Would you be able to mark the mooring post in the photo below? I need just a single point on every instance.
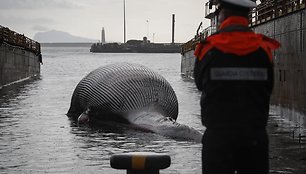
(293, 134)
(140, 162)
(300, 138)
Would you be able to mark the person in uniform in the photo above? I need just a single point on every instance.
(234, 71)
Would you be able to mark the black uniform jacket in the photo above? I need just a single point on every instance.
(234, 71)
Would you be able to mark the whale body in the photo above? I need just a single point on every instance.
(130, 94)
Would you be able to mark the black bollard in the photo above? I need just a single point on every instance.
(140, 162)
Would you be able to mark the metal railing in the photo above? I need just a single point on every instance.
(271, 9)
(18, 40)
(265, 11)
(191, 44)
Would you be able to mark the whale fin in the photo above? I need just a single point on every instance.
(167, 126)
(84, 117)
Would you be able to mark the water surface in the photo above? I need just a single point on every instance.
(37, 137)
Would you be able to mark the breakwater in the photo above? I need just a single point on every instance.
(136, 46)
(20, 57)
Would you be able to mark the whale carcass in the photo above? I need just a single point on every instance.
(132, 94)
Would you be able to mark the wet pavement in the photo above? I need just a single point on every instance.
(287, 150)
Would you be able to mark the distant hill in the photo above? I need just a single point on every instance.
(54, 36)
(56, 44)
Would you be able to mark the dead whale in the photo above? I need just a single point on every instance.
(130, 94)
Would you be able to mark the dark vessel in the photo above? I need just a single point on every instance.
(285, 21)
(136, 46)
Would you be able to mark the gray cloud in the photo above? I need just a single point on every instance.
(12, 19)
(38, 4)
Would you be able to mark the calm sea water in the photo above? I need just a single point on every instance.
(37, 137)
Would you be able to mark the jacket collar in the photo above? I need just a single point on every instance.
(234, 20)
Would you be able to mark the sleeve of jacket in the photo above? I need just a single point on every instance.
(198, 73)
(203, 55)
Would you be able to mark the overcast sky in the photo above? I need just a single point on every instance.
(86, 18)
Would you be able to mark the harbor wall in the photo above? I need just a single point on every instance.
(289, 62)
(17, 64)
(187, 64)
(20, 57)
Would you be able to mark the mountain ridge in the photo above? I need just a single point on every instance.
(55, 36)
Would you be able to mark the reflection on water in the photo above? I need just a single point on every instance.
(37, 137)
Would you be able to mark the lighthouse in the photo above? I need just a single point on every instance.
(103, 36)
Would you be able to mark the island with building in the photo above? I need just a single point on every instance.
(136, 46)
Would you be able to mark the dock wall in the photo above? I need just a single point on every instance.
(289, 60)
(20, 57)
(289, 94)
(17, 64)
(187, 64)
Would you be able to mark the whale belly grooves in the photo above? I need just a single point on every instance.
(120, 88)
(125, 93)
